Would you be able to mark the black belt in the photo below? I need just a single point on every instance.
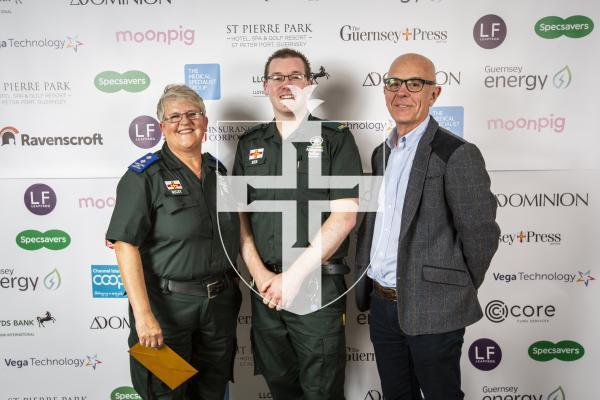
(210, 287)
(336, 267)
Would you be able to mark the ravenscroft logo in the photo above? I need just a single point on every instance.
(7, 135)
(564, 199)
(497, 311)
(171, 36)
(353, 33)
(124, 393)
(514, 76)
(540, 124)
(106, 282)
(144, 132)
(114, 322)
(450, 117)
(565, 350)
(205, 79)
(136, 3)
(53, 239)
(485, 354)
(585, 277)
(531, 237)
(40, 199)
(576, 26)
(130, 81)
(489, 31)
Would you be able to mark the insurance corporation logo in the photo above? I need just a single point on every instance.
(124, 393)
(70, 42)
(514, 392)
(498, 311)
(129, 81)
(525, 237)
(272, 35)
(174, 36)
(575, 27)
(204, 79)
(528, 124)
(136, 3)
(355, 33)
(543, 200)
(485, 354)
(226, 131)
(34, 92)
(53, 239)
(144, 132)
(40, 199)
(489, 31)
(106, 282)
(565, 350)
(109, 322)
(516, 77)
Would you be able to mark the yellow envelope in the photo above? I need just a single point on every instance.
(167, 365)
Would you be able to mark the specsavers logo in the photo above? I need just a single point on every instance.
(565, 350)
(124, 393)
(130, 81)
(554, 27)
(34, 240)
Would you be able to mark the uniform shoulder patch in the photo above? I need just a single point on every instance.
(336, 126)
(214, 162)
(255, 128)
(144, 162)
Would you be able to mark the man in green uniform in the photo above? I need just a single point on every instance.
(174, 268)
(300, 356)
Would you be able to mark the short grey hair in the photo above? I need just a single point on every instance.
(178, 92)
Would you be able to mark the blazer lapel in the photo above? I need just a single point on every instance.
(414, 190)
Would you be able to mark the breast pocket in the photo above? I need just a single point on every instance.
(185, 216)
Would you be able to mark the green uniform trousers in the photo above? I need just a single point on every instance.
(203, 332)
(302, 357)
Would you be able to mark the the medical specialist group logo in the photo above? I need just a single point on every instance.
(270, 35)
(489, 31)
(106, 282)
(11, 280)
(575, 27)
(356, 355)
(124, 393)
(71, 42)
(509, 392)
(176, 36)
(53, 239)
(40, 199)
(89, 361)
(109, 322)
(18, 92)
(129, 81)
(450, 117)
(136, 3)
(531, 237)
(355, 33)
(11, 136)
(542, 200)
(498, 311)
(144, 132)
(485, 354)
(531, 125)
(204, 79)
(515, 77)
(565, 350)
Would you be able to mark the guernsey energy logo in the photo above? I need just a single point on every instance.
(53, 239)
(565, 350)
(130, 81)
(575, 27)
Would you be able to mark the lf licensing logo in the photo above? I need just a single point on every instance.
(485, 354)
(40, 199)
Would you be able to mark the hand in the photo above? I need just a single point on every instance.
(281, 290)
(149, 331)
(271, 291)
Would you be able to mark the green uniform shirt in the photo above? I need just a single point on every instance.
(340, 156)
(171, 215)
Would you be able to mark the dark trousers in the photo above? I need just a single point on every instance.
(409, 364)
(302, 357)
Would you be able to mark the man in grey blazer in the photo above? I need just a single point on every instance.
(427, 249)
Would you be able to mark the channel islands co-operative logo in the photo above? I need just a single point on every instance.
(565, 350)
(130, 81)
(53, 239)
(554, 27)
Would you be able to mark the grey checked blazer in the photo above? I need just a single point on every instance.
(447, 239)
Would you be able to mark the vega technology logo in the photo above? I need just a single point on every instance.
(53, 239)
(575, 27)
(144, 132)
(70, 42)
(106, 282)
(130, 81)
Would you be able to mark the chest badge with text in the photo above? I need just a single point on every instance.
(174, 187)
(255, 154)
(315, 149)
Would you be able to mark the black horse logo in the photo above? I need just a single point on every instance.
(46, 318)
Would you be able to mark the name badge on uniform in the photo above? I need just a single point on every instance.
(175, 187)
(316, 147)
(255, 154)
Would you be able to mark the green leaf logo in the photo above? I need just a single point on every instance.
(574, 27)
(565, 350)
(52, 280)
(124, 393)
(558, 394)
(34, 240)
(130, 81)
(562, 79)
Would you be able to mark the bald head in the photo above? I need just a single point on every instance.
(412, 61)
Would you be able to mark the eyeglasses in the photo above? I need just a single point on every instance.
(413, 85)
(191, 115)
(281, 78)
